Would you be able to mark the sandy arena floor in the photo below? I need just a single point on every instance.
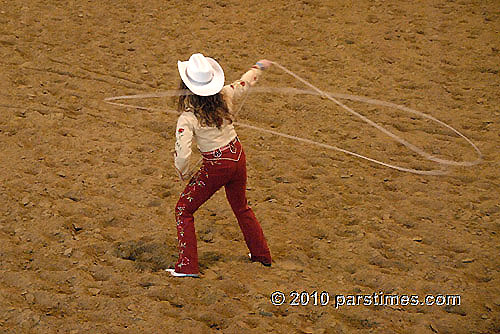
(87, 190)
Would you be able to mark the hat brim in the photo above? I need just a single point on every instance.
(206, 89)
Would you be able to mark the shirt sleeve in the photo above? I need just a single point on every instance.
(184, 137)
(235, 90)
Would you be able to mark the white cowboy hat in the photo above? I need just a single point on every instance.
(202, 75)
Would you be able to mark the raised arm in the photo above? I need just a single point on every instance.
(235, 90)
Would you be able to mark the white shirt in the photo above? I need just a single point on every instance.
(209, 138)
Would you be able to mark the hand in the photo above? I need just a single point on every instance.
(265, 63)
(183, 177)
(187, 176)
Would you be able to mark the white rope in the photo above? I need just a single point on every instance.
(173, 92)
(390, 134)
(330, 96)
(331, 147)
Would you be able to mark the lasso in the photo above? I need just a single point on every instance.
(332, 97)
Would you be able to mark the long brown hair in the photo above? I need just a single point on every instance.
(209, 110)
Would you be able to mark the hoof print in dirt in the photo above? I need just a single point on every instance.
(208, 259)
(152, 255)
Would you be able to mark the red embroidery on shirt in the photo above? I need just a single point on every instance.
(181, 130)
(243, 83)
(232, 86)
(255, 78)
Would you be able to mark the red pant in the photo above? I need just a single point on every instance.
(225, 167)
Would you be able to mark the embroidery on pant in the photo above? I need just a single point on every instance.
(180, 210)
(179, 222)
(180, 228)
(215, 161)
(184, 261)
(189, 198)
(181, 247)
(195, 182)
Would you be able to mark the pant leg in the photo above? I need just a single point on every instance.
(249, 225)
(199, 189)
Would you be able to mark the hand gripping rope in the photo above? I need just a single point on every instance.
(334, 98)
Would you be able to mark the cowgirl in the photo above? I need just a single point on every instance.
(206, 114)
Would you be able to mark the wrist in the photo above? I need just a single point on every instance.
(260, 66)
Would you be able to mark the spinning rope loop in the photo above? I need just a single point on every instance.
(334, 98)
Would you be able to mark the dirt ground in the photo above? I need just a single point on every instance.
(87, 190)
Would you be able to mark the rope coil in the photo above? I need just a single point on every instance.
(331, 96)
